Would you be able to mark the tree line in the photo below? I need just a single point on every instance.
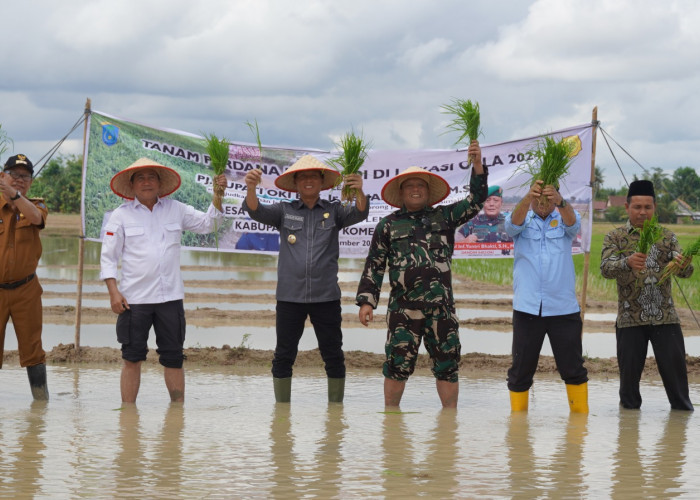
(683, 184)
(59, 183)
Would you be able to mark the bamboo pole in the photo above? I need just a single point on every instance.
(587, 256)
(81, 244)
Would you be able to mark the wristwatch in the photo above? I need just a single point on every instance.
(562, 204)
(17, 196)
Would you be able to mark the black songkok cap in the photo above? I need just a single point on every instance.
(641, 188)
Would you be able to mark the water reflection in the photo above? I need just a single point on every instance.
(307, 469)
(22, 466)
(281, 451)
(533, 473)
(652, 470)
(567, 468)
(329, 480)
(129, 460)
(521, 457)
(230, 440)
(168, 453)
(397, 465)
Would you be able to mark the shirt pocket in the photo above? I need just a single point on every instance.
(401, 237)
(326, 223)
(532, 233)
(135, 233)
(556, 240)
(439, 236)
(292, 225)
(173, 232)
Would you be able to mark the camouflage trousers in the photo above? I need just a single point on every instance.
(438, 327)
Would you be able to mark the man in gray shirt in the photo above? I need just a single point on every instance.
(307, 268)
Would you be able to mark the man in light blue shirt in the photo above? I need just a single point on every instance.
(544, 298)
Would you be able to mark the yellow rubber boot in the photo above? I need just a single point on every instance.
(519, 400)
(578, 397)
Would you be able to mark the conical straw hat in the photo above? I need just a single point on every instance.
(438, 188)
(307, 162)
(121, 182)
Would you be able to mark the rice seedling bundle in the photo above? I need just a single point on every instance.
(550, 163)
(650, 233)
(256, 130)
(352, 154)
(218, 151)
(673, 267)
(4, 141)
(466, 121)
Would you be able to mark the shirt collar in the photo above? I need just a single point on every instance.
(138, 203)
(416, 213)
(298, 203)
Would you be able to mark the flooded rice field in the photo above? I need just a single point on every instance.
(230, 439)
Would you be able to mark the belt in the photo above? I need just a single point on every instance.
(15, 284)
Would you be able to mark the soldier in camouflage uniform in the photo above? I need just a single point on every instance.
(417, 242)
(488, 226)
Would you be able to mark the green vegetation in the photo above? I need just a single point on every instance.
(684, 184)
(500, 271)
(4, 141)
(466, 121)
(550, 163)
(59, 184)
(217, 149)
(352, 154)
(650, 233)
(674, 267)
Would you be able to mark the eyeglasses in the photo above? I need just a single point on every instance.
(18, 176)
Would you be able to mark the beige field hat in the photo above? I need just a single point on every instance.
(307, 162)
(438, 188)
(121, 182)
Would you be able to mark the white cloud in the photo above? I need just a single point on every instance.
(309, 70)
(420, 56)
(599, 40)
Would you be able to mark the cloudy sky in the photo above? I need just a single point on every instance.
(310, 70)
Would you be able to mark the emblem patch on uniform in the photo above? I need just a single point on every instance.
(554, 223)
(291, 239)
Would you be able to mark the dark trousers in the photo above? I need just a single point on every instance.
(528, 335)
(669, 351)
(325, 318)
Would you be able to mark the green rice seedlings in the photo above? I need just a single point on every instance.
(218, 151)
(550, 163)
(650, 233)
(4, 141)
(254, 128)
(353, 152)
(466, 121)
(674, 267)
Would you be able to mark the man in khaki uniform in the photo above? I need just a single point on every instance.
(21, 219)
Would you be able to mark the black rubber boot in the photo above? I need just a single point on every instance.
(37, 382)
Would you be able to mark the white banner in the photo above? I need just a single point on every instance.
(115, 143)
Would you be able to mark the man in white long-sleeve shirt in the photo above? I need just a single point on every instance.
(144, 234)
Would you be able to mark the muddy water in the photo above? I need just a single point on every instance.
(230, 440)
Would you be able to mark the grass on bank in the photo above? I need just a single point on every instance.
(500, 271)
